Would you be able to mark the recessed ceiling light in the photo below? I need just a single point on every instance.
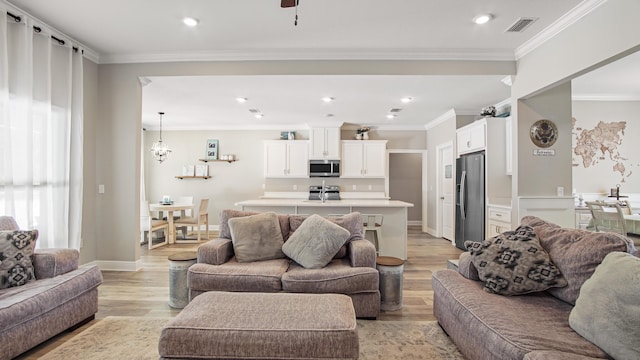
(259, 116)
(327, 99)
(391, 116)
(190, 21)
(482, 19)
(241, 100)
(407, 99)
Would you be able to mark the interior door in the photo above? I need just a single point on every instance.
(447, 195)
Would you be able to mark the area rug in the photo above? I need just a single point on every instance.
(119, 337)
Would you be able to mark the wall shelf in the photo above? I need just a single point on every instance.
(227, 161)
(192, 177)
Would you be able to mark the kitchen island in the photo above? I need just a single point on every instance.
(394, 228)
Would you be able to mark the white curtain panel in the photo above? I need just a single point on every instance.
(41, 133)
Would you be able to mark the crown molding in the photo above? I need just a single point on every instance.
(503, 103)
(314, 54)
(605, 97)
(557, 26)
(440, 119)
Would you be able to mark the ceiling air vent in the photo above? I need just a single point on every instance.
(254, 111)
(521, 24)
(395, 110)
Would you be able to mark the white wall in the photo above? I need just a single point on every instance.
(600, 177)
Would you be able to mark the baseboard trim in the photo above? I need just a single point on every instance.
(114, 265)
(432, 232)
(414, 222)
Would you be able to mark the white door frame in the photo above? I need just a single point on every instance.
(424, 178)
(439, 149)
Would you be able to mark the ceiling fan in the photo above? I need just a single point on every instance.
(291, 3)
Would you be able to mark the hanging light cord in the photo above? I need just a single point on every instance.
(295, 23)
(161, 113)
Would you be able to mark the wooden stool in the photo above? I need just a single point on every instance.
(179, 264)
(390, 269)
(373, 223)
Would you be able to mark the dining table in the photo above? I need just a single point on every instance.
(166, 210)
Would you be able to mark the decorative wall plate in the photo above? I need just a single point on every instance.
(544, 133)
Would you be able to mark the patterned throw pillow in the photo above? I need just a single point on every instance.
(16, 257)
(514, 263)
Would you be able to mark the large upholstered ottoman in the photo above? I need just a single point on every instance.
(227, 325)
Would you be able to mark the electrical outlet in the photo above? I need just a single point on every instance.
(295, 187)
(101, 189)
(264, 186)
(560, 191)
(353, 187)
(370, 187)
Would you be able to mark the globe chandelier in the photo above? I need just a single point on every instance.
(159, 149)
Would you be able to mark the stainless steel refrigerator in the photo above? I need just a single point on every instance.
(470, 198)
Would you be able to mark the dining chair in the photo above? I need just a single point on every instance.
(183, 200)
(202, 218)
(148, 225)
(607, 217)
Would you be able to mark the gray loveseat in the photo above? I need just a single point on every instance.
(61, 297)
(531, 326)
(351, 272)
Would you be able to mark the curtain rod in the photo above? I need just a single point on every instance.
(38, 30)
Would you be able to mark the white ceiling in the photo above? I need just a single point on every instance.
(120, 31)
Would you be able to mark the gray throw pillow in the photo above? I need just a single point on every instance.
(16, 257)
(315, 242)
(256, 237)
(514, 263)
(606, 311)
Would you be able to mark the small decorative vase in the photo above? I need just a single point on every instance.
(358, 136)
(365, 136)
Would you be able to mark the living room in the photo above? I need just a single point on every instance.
(541, 89)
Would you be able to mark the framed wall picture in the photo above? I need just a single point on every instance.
(212, 149)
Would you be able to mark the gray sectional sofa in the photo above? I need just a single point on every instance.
(484, 325)
(61, 297)
(351, 272)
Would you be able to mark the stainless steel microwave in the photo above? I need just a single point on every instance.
(324, 168)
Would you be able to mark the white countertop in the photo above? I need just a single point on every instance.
(328, 203)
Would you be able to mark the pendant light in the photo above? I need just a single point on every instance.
(159, 149)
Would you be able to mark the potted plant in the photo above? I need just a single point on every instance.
(363, 133)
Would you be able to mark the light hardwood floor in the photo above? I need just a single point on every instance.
(145, 293)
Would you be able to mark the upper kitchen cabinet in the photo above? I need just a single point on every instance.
(286, 158)
(363, 158)
(471, 138)
(324, 143)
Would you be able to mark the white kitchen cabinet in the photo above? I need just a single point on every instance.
(498, 220)
(471, 138)
(324, 143)
(363, 158)
(286, 158)
(508, 145)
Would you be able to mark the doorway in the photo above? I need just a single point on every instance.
(444, 193)
(406, 181)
